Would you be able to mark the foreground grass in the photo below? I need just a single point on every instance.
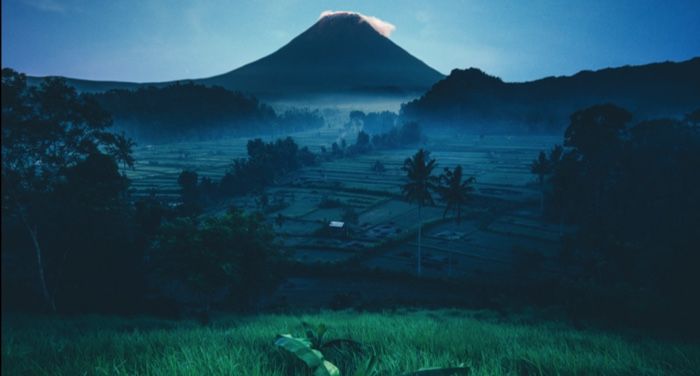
(403, 341)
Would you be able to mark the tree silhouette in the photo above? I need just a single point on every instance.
(454, 191)
(419, 170)
(189, 192)
(122, 149)
(555, 155)
(693, 118)
(596, 129)
(46, 131)
(362, 139)
(543, 166)
(227, 257)
(596, 133)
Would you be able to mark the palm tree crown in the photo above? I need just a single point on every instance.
(543, 166)
(540, 166)
(455, 192)
(122, 150)
(419, 169)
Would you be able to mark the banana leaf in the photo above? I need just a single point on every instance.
(300, 347)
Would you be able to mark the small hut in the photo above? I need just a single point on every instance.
(338, 228)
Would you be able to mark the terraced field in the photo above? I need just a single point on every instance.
(158, 165)
(501, 235)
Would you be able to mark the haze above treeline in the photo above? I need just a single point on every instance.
(346, 58)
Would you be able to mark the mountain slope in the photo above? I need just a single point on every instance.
(339, 53)
(468, 98)
(94, 86)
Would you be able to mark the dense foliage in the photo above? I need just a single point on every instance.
(634, 190)
(373, 122)
(74, 241)
(409, 133)
(224, 259)
(65, 217)
(265, 163)
(188, 110)
(454, 190)
(395, 136)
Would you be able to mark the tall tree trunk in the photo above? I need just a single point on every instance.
(420, 227)
(33, 233)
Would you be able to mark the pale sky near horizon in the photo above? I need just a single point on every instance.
(160, 40)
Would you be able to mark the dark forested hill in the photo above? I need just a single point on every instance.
(190, 110)
(471, 99)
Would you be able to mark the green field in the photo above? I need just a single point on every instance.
(402, 341)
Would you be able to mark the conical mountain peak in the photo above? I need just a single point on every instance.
(342, 52)
(345, 19)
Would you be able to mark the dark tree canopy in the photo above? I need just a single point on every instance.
(62, 188)
(421, 182)
(633, 191)
(596, 128)
(454, 190)
(265, 163)
(187, 110)
(228, 258)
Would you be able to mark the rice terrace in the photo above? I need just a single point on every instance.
(340, 206)
(500, 163)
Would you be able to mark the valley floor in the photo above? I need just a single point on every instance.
(402, 340)
(501, 228)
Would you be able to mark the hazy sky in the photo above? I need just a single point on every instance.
(151, 40)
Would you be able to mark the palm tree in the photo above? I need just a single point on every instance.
(419, 169)
(455, 192)
(122, 150)
(541, 167)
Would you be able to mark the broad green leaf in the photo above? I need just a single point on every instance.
(301, 349)
(327, 369)
(303, 340)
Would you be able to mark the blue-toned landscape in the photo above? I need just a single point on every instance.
(177, 201)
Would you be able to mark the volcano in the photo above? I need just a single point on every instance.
(340, 53)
